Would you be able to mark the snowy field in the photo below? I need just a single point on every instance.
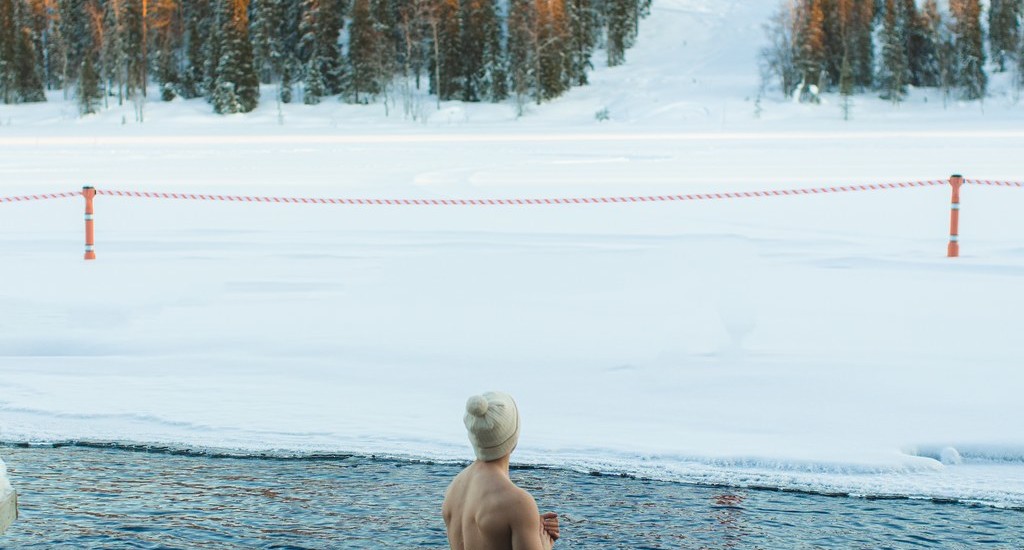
(817, 342)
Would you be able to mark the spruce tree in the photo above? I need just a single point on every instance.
(1004, 30)
(368, 51)
(288, 72)
(88, 88)
(315, 87)
(928, 70)
(946, 54)
(1020, 66)
(113, 57)
(75, 29)
(915, 41)
(132, 47)
(553, 50)
(618, 17)
(522, 46)
(237, 85)
(29, 84)
(193, 77)
(321, 24)
(166, 37)
(583, 32)
(481, 55)
(835, 41)
(266, 30)
(862, 54)
(892, 75)
(8, 47)
(970, 52)
(812, 53)
(447, 79)
(846, 86)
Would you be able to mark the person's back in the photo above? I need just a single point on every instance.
(483, 509)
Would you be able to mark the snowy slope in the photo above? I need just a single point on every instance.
(814, 342)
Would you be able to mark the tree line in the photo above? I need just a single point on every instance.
(100, 51)
(886, 46)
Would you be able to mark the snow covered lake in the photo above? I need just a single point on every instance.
(821, 343)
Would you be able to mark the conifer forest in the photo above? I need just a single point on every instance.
(103, 51)
(887, 46)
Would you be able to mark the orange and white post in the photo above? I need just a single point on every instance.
(956, 180)
(90, 245)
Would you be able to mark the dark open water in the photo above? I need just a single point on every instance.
(84, 497)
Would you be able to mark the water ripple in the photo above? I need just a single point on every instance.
(87, 497)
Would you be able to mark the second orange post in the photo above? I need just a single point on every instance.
(90, 245)
(956, 181)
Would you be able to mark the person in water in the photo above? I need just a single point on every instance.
(483, 509)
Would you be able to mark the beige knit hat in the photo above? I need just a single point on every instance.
(492, 420)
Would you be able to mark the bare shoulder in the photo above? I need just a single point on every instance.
(453, 493)
(522, 502)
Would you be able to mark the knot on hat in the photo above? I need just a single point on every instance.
(492, 420)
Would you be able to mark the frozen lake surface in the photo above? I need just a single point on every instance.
(820, 343)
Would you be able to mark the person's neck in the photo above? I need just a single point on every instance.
(499, 465)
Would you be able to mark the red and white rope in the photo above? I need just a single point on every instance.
(511, 202)
(995, 183)
(44, 196)
(521, 201)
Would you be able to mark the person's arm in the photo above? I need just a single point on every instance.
(527, 530)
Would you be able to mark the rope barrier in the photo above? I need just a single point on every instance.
(45, 196)
(995, 183)
(956, 181)
(511, 202)
(522, 201)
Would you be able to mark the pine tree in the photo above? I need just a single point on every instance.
(946, 55)
(892, 75)
(916, 41)
(212, 46)
(1004, 30)
(862, 53)
(167, 37)
(846, 86)
(8, 47)
(368, 53)
(237, 85)
(811, 53)
(193, 76)
(288, 72)
(553, 49)
(1020, 65)
(618, 17)
(583, 32)
(835, 41)
(266, 30)
(481, 54)
(110, 56)
(29, 84)
(88, 88)
(74, 28)
(320, 26)
(36, 18)
(133, 50)
(522, 47)
(970, 53)
(315, 86)
(445, 63)
(928, 73)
